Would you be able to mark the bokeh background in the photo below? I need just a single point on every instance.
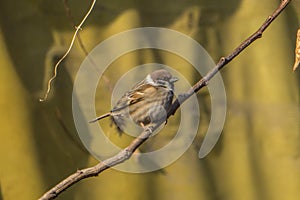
(257, 156)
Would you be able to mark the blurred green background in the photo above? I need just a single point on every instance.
(258, 156)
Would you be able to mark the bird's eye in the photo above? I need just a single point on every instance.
(162, 83)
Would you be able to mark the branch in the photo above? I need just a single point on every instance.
(126, 153)
(225, 60)
(67, 52)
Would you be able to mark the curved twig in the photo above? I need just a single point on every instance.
(67, 52)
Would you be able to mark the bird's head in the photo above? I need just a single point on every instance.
(161, 78)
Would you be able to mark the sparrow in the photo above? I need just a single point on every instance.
(147, 103)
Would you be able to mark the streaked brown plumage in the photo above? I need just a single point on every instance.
(146, 103)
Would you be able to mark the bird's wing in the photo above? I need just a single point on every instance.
(136, 94)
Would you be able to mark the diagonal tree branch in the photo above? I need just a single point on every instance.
(126, 153)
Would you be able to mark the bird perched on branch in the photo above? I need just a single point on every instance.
(146, 103)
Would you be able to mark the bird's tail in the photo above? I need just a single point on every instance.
(100, 117)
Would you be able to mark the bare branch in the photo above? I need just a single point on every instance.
(225, 60)
(67, 52)
(126, 153)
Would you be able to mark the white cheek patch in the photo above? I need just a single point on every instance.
(162, 83)
(149, 80)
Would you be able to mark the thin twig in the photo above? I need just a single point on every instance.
(126, 153)
(68, 51)
(71, 18)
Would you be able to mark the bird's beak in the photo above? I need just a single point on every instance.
(174, 79)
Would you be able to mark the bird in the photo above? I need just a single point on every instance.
(146, 103)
